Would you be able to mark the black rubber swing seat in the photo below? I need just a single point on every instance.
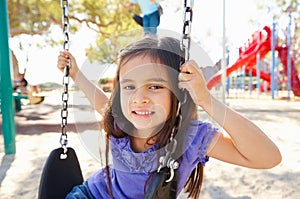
(60, 175)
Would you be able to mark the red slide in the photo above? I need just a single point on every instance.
(248, 58)
(295, 82)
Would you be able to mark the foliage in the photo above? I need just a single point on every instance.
(107, 51)
(106, 17)
(106, 84)
(113, 24)
(32, 16)
(105, 80)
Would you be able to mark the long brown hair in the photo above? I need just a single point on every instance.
(166, 51)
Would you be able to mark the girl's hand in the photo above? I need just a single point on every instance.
(63, 61)
(192, 79)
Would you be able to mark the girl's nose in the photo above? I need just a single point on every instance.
(140, 96)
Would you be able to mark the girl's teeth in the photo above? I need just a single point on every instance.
(143, 113)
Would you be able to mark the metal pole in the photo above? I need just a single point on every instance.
(224, 55)
(289, 54)
(273, 59)
(7, 106)
(250, 81)
(228, 78)
(243, 79)
(258, 66)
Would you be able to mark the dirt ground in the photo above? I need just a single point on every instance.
(38, 132)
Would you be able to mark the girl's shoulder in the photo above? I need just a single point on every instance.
(197, 139)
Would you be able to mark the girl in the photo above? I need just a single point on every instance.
(151, 123)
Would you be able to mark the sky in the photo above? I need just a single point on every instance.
(206, 29)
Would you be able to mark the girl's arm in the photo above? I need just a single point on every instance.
(246, 145)
(95, 95)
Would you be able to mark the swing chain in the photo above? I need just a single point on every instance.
(187, 26)
(66, 79)
(168, 160)
(185, 45)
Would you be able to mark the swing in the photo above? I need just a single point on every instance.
(62, 169)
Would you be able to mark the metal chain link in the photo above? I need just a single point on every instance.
(66, 79)
(185, 44)
(187, 26)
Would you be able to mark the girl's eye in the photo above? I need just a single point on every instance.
(129, 87)
(155, 87)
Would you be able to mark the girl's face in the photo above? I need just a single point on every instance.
(145, 92)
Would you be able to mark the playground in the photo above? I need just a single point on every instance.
(38, 133)
(250, 64)
(262, 83)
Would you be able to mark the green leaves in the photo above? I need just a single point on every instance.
(106, 17)
(33, 16)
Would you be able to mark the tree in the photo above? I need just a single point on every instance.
(114, 25)
(106, 17)
(32, 17)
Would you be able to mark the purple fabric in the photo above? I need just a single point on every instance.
(130, 170)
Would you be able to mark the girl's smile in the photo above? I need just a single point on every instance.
(142, 113)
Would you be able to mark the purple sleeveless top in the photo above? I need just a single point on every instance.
(130, 170)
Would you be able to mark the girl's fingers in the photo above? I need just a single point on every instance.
(184, 77)
(62, 62)
(183, 85)
(189, 67)
(64, 56)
